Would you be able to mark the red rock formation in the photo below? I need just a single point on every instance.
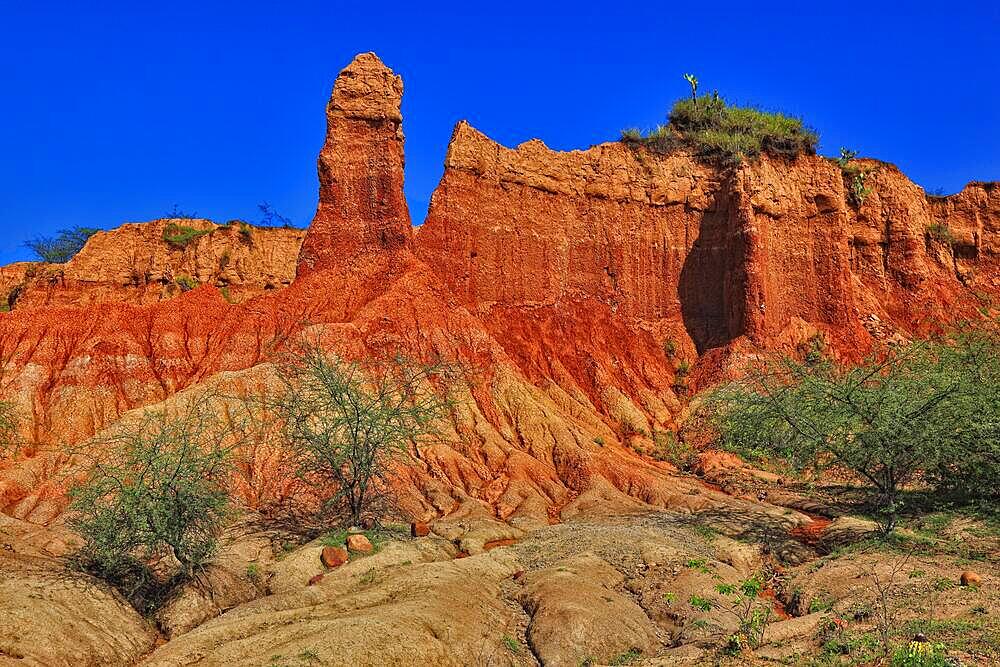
(572, 285)
(362, 209)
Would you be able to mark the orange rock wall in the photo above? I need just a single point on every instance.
(572, 286)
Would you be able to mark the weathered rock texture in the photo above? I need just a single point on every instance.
(362, 209)
(134, 264)
(573, 286)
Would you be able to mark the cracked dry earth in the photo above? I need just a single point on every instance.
(608, 585)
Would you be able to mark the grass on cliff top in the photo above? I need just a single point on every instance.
(180, 236)
(726, 134)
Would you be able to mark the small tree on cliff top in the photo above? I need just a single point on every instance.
(62, 247)
(931, 409)
(349, 423)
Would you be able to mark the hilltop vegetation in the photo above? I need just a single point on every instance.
(727, 134)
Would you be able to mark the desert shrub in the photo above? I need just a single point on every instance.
(246, 233)
(854, 177)
(928, 411)
(348, 424)
(181, 236)
(186, 283)
(62, 247)
(271, 218)
(675, 451)
(151, 504)
(744, 603)
(940, 232)
(728, 134)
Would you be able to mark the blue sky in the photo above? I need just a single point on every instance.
(117, 111)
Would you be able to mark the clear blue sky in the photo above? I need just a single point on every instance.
(116, 111)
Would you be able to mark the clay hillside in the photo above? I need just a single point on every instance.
(589, 297)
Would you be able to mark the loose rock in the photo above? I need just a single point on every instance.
(334, 556)
(359, 543)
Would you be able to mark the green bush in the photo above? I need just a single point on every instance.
(181, 236)
(854, 177)
(715, 131)
(62, 247)
(940, 232)
(348, 424)
(928, 411)
(153, 501)
(186, 283)
(673, 450)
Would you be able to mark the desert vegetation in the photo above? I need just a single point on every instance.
(855, 177)
(719, 132)
(348, 424)
(181, 236)
(61, 247)
(153, 500)
(927, 413)
(156, 492)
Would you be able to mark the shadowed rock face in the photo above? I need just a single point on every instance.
(571, 284)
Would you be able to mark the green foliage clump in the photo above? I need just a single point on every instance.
(854, 177)
(348, 424)
(181, 236)
(728, 134)
(186, 283)
(511, 644)
(744, 602)
(62, 247)
(940, 232)
(675, 451)
(153, 501)
(927, 411)
(921, 654)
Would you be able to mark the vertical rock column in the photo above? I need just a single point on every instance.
(362, 211)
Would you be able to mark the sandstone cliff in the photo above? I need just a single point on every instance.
(577, 288)
(134, 263)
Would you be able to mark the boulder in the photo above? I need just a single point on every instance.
(359, 544)
(970, 578)
(333, 557)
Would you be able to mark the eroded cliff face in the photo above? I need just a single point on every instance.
(573, 286)
(135, 264)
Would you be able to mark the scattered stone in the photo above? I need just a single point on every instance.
(355, 530)
(419, 529)
(359, 543)
(316, 579)
(462, 554)
(517, 575)
(334, 556)
(970, 578)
